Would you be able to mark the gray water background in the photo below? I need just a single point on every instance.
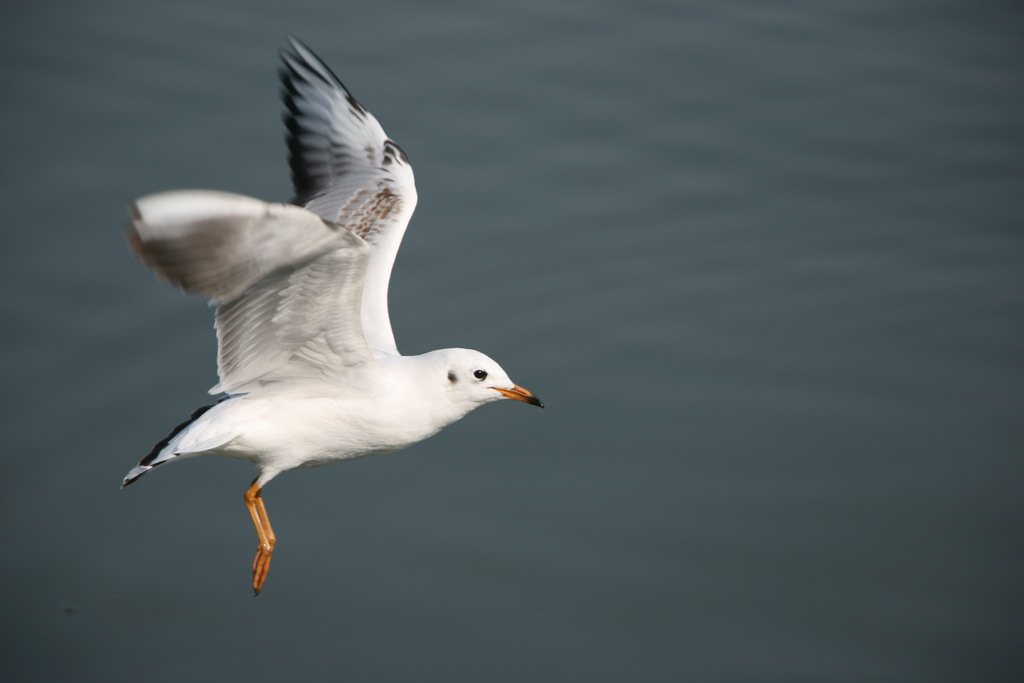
(763, 262)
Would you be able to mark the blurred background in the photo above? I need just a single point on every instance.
(764, 262)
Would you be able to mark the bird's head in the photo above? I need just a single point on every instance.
(471, 377)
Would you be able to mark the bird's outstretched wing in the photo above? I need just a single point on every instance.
(287, 284)
(346, 170)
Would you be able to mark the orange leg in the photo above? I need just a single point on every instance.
(260, 520)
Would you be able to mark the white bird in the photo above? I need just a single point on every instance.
(306, 357)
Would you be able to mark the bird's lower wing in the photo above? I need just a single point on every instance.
(288, 284)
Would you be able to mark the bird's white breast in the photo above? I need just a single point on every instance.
(285, 430)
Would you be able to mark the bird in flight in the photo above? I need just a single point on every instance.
(309, 370)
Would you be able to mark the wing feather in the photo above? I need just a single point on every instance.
(346, 170)
(288, 284)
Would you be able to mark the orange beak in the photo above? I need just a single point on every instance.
(520, 394)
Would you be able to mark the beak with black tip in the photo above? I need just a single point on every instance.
(520, 394)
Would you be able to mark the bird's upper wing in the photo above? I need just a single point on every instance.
(288, 285)
(346, 170)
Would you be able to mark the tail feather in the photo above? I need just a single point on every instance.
(136, 472)
(157, 457)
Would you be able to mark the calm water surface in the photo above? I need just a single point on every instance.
(763, 264)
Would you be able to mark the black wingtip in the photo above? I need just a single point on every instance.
(294, 43)
(300, 63)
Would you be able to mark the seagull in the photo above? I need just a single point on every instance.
(309, 371)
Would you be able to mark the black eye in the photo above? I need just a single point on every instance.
(480, 374)
(451, 377)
